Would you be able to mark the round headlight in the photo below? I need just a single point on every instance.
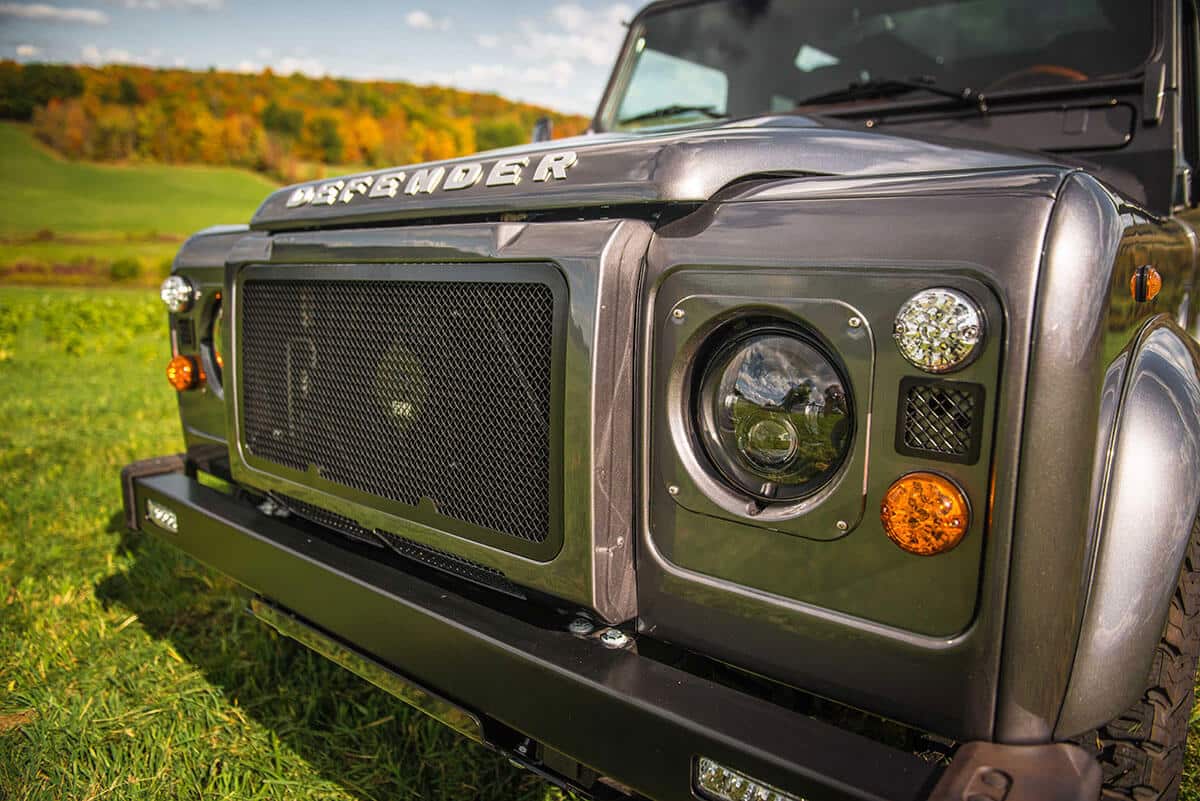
(774, 414)
(178, 293)
(939, 330)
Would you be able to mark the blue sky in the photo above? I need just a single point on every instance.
(556, 52)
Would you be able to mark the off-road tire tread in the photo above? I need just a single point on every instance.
(1141, 752)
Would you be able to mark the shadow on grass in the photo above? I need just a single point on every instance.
(349, 731)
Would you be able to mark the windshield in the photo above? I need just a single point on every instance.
(697, 62)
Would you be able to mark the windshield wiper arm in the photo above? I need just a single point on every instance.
(892, 87)
(671, 111)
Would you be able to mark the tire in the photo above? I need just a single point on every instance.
(1141, 752)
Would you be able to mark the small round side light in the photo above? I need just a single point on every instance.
(182, 373)
(925, 513)
(939, 330)
(177, 293)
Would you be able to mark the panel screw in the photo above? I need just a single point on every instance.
(581, 626)
(614, 638)
(854, 322)
(842, 525)
(672, 490)
(678, 314)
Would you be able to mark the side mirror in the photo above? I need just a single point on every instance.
(543, 130)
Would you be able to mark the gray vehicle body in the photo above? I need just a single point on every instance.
(1042, 624)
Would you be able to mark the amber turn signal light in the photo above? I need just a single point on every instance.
(1145, 284)
(925, 513)
(183, 373)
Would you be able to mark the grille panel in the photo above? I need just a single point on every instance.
(410, 390)
(940, 420)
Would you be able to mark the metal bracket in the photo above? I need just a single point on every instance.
(991, 772)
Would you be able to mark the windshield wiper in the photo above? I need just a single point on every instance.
(894, 87)
(672, 111)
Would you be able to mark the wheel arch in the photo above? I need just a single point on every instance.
(1146, 496)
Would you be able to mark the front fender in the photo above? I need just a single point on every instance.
(1147, 495)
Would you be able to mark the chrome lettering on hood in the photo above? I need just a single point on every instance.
(427, 180)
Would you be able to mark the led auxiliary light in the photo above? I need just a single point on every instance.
(161, 516)
(939, 330)
(719, 783)
(177, 293)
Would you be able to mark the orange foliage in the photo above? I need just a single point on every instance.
(276, 123)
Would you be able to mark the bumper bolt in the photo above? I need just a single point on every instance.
(614, 638)
(581, 626)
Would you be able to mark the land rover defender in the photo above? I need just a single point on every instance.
(822, 424)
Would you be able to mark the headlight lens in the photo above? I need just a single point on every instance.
(177, 293)
(939, 330)
(774, 414)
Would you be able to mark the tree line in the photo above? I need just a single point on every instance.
(276, 124)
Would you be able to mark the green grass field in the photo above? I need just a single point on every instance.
(39, 190)
(91, 215)
(128, 671)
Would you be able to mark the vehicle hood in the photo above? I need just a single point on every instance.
(630, 169)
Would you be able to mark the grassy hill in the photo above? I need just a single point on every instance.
(70, 222)
(38, 190)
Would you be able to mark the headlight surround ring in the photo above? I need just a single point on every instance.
(773, 412)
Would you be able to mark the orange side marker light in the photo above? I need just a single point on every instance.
(183, 373)
(925, 514)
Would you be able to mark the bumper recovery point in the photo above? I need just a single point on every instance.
(640, 722)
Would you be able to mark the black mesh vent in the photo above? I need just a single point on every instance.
(430, 557)
(323, 517)
(407, 390)
(940, 419)
(451, 563)
(185, 333)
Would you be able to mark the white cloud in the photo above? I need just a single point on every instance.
(419, 19)
(575, 33)
(113, 55)
(156, 5)
(264, 53)
(309, 66)
(487, 40)
(42, 11)
(27, 50)
(570, 16)
(423, 20)
(287, 65)
(495, 77)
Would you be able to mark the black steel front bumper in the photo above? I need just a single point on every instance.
(627, 717)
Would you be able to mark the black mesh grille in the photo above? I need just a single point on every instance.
(323, 517)
(450, 563)
(407, 390)
(940, 418)
(426, 555)
(185, 333)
